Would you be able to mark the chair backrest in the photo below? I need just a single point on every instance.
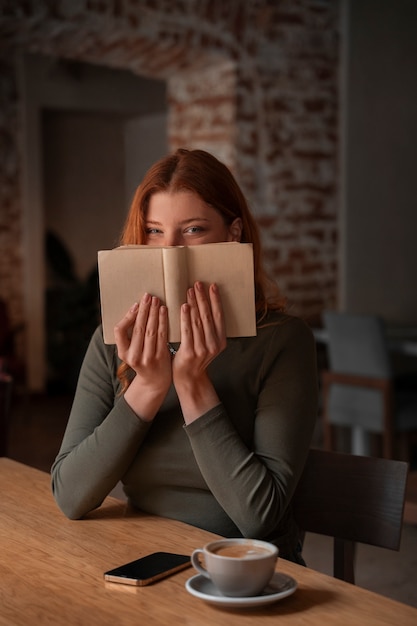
(359, 392)
(352, 499)
(357, 344)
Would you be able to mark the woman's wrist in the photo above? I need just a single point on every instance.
(196, 396)
(144, 400)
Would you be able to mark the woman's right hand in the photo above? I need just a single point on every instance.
(141, 340)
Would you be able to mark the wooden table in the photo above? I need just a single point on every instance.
(51, 571)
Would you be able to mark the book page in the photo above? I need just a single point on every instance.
(125, 275)
(230, 266)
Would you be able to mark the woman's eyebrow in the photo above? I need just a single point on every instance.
(187, 221)
(195, 219)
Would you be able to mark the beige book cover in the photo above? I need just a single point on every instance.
(127, 272)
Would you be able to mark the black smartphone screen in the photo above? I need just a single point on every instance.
(148, 569)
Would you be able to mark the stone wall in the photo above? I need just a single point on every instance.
(253, 81)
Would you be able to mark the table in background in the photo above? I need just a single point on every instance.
(52, 570)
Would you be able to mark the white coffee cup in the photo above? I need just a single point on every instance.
(237, 567)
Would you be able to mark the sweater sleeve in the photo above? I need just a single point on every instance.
(101, 438)
(255, 485)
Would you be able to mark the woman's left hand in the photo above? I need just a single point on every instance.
(203, 337)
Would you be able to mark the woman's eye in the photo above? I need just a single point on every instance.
(194, 229)
(152, 231)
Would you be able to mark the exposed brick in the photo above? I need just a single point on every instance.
(256, 83)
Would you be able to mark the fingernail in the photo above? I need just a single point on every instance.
(146, 298)
(134, 307)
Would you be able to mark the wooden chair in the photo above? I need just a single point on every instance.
(352, 499)
(359, 390)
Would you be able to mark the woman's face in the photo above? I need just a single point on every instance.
(183, 219)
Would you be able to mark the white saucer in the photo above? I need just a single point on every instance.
(279, 587)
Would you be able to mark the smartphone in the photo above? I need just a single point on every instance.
(148, 569)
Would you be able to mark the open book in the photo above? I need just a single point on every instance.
(127, 272)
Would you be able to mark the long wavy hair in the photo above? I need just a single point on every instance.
(201, 173)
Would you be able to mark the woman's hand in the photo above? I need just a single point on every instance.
(203, 337)
(141, 340)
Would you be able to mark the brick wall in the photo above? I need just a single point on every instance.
(254, 82)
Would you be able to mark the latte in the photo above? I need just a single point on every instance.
(241, 551)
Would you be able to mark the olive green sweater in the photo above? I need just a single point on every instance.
(232, 471)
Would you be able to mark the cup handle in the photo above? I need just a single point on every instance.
(196, 563)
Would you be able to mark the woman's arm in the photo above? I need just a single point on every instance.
(102, 436)
(255, 484)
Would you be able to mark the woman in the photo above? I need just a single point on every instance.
(217, 434)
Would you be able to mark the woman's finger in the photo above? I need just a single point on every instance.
(162, 335)
(187, 341)
(210, 318)
(123, 330)
(217, 313)
(129, 332)
(149, 331)
(196, 325)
